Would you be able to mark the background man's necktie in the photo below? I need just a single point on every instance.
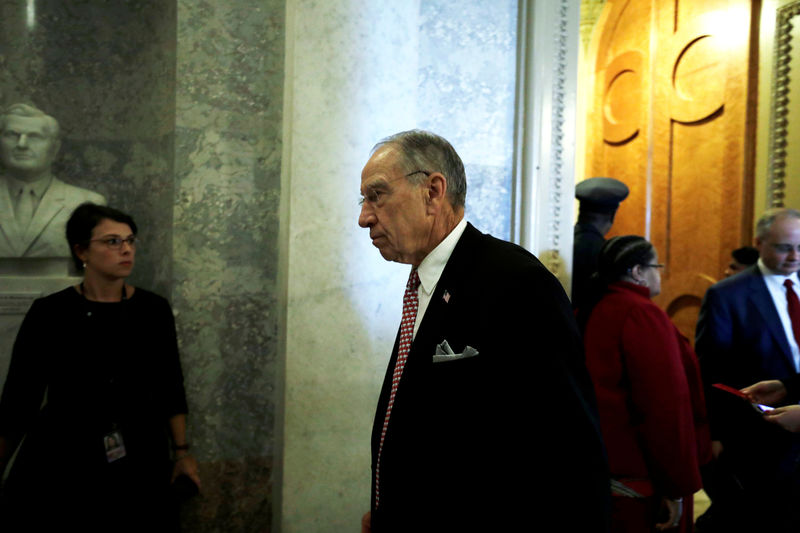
(794, 309)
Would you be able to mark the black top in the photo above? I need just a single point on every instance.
(104, 367)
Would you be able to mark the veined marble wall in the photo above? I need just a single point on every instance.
(227, 160)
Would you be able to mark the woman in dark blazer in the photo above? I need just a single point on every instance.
(649, 392)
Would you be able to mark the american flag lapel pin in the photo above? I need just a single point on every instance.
(446, 296)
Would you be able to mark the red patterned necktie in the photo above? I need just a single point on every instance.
(794, 309)
(410, 306)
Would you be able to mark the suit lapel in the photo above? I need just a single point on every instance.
(8, 222)
(431, 325)
(762, 300)
(431, 330)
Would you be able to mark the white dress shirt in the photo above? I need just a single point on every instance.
(774, 281)
(430, 269)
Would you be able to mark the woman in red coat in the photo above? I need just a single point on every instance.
(649, 393)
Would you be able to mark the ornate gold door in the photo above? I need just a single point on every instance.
(673, 116)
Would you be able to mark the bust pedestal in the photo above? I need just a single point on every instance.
(22, 280)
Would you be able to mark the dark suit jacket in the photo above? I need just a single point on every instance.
(585, 251)
(508, 437)
(740, 341)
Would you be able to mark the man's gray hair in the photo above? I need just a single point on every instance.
(425, 151)
(29, 111)
(769, 217)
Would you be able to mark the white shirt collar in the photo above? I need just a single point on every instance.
(431, 268)
(770, 276)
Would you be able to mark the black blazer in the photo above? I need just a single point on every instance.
(503, 438)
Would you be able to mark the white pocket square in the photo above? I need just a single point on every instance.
(444, 353)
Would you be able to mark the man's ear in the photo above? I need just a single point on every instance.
(436, 192)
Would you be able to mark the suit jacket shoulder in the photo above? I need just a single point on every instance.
(69, 192)
(499, 262)
(736, 286)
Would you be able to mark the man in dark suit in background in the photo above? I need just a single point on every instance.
(741, 258)
(487, 419)
(745, 334)
(599, 200)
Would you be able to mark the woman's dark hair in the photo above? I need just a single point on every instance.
(84, 219)
(617, 256)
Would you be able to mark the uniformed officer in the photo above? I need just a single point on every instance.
(599, 199)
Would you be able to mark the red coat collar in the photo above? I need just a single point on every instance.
(626, 286)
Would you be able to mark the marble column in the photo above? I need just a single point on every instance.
(351, 80)
(228, 146)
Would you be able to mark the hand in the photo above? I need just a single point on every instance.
(187, 465)
(365, 522)
(766, 392)
(716, 449)
(787, 417)
(675, 510)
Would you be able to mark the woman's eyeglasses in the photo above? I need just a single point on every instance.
(115, 243)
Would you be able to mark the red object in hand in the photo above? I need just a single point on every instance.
(726, 388)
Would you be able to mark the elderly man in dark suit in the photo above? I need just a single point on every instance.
(749, 331)
(486, 420)
(34, 204)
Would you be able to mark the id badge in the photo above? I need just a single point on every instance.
(115, 448)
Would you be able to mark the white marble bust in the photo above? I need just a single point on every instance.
(34, 204)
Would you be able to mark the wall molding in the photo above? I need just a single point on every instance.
(549, 35)
(779, 114)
